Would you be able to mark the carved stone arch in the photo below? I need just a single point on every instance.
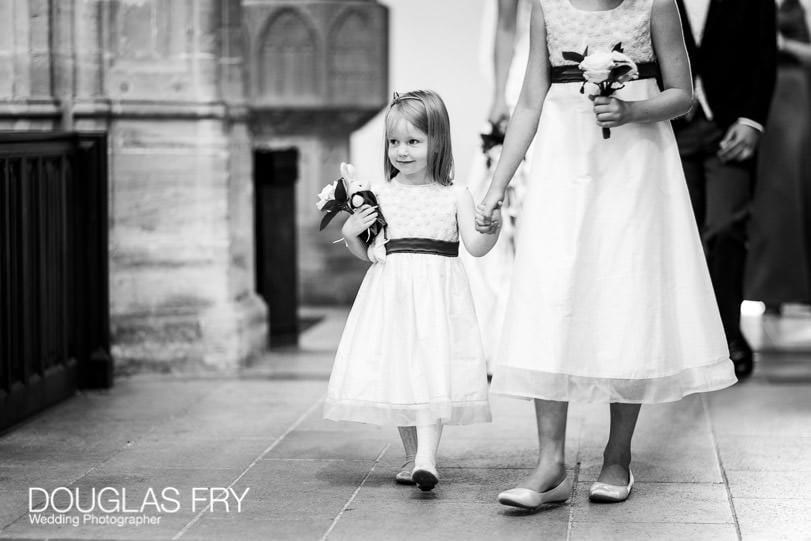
(352, 58)
(288, 57)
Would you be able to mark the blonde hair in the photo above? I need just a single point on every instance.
(426, 111)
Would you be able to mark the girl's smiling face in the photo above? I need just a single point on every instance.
(408, 150)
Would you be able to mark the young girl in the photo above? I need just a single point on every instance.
(611, 298)
(410, 354)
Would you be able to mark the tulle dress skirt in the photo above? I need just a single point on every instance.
(410, 353)
(611, 299)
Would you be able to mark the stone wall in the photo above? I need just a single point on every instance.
(164, 79)
(318, 70)
(185, 89)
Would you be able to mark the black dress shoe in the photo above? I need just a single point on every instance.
(773, 309)
(742, 357)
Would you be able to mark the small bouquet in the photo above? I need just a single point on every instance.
(493, 138)
(608, 70)
(348, 194)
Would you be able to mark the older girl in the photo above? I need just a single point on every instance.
(611, 298)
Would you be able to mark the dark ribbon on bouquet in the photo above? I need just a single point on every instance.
(493, 139)
(572, 74)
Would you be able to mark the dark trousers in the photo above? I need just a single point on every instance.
(721, 194)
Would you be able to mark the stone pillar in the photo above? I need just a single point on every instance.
(181, 269)
(318, 70)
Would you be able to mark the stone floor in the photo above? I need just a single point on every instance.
(725, 466)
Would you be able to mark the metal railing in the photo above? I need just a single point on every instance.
(54, 304)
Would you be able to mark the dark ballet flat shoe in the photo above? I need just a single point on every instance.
(742, 357)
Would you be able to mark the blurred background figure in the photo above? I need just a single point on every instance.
(506, 55)
(778, 269)
(733, 56)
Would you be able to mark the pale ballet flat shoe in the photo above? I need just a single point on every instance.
(403, 476)
(526, 498)
(603, 492)
(425, 477)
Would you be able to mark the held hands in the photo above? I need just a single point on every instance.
(360, 221)
(610, 111)
(488, 216)
(739, 143)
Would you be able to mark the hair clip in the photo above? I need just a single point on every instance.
(397, 98)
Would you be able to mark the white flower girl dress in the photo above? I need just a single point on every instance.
(611, 298)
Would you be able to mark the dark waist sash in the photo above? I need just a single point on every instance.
(422, 246)
(572, 74)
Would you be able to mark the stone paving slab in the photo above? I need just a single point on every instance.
(766, 485)
(294, 527)
(702, 503)
(420, 517)
(317, 445)
(761, 410)
(765, 453)
(301, 488)
(773, 519)
(188, 453)
(652, 531)
(678, 464)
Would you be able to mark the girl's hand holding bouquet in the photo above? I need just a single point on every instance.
(358, 222)
(610, 111)
(608, 71)
(349, 194)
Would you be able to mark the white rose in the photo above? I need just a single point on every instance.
(327, 194)
(357, 201)
(596, 76)
(598, 61)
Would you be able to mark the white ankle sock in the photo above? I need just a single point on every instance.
(408, 435)
(427, 445)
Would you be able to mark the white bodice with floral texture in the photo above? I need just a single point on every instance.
(572, 29)
(426, 211)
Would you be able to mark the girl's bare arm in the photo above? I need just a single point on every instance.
(668, 42)
(524, 121)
